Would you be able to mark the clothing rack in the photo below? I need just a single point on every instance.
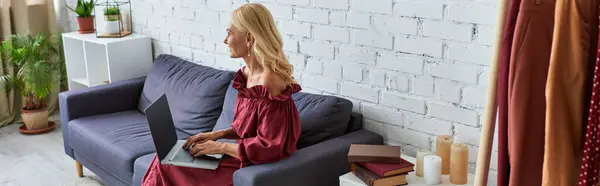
(487, 133)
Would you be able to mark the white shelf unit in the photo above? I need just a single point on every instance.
(94, 61)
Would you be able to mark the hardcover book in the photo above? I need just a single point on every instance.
(389, 169)
(372, 179)
(374, 153)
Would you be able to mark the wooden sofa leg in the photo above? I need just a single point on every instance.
(79, 169)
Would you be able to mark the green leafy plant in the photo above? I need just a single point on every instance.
(36, 63)
(112, 19)
(111, 10)
(62, 67)
(83, 8)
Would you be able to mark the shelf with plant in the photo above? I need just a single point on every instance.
(36, 62)
(85, 19)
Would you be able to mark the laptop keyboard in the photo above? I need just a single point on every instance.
(183, 156)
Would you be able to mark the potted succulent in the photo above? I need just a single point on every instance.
(36, 62)
(112, 17)
(85, 19)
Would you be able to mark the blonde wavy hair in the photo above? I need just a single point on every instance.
(256, 19)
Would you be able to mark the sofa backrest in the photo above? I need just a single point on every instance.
(322, 117)
(195, 92)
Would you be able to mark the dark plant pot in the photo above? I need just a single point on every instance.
(86, 25)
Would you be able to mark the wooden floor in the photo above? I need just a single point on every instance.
(37, 159)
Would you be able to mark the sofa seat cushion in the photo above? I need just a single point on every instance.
(113, 141)
(140, 167)
(195, 92)
(322, 117)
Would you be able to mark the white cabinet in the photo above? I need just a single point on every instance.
(94, 61)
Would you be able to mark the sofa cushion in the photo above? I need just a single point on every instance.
(140, 167)
(195, 92)
(114, 140)
(226, 116)
(322, 117)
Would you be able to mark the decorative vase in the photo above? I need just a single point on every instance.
(86, 25)
(35, 119)
(111, 27)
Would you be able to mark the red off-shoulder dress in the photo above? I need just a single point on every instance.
(269, 127)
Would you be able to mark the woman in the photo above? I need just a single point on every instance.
(266, 123)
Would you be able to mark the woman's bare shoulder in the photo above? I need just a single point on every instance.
(274, 83)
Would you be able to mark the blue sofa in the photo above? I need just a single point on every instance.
(105, 130)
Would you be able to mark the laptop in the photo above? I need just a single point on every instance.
(168, 148)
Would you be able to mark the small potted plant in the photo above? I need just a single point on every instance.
(112, 17)
(85, 19)
(35, 62)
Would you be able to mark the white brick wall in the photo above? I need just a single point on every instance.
(480, 13)
(403, 102)
(387, 24)
(460, 73)
(419, 45)
(319, 49)
(333, 4)
(423, 9)
(451, 113)
(448, 30)
(295, 28)
(359, 92)
(414, 68)
(402, 64)
(450, 92)
(427, 125)
(312, 15)
(358, 19)
(347, 54)
(373, 39)
(372, 6)
(331, 33)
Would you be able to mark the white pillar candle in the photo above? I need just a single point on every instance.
(421, 153)
(432, 169)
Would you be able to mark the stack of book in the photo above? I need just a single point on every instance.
(379, 165)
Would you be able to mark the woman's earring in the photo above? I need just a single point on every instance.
(249, 51)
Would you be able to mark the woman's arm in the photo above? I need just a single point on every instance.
(213, 147)
(231, 149)
(214, 136)
(226, 134)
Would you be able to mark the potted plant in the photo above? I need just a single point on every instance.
(36, 62)
(85, 19)
(112, 17)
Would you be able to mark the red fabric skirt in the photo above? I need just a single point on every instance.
(168, 175)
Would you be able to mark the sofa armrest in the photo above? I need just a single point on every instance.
(102, 99)
(319, 164)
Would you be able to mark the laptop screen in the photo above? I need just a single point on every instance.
(161, 125)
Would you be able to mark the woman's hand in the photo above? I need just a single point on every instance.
(200, 138)
(207, 147)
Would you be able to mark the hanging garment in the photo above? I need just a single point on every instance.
(528, 70)
(590, 167)
(591, 164)
(574, 22)
(503, 68)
